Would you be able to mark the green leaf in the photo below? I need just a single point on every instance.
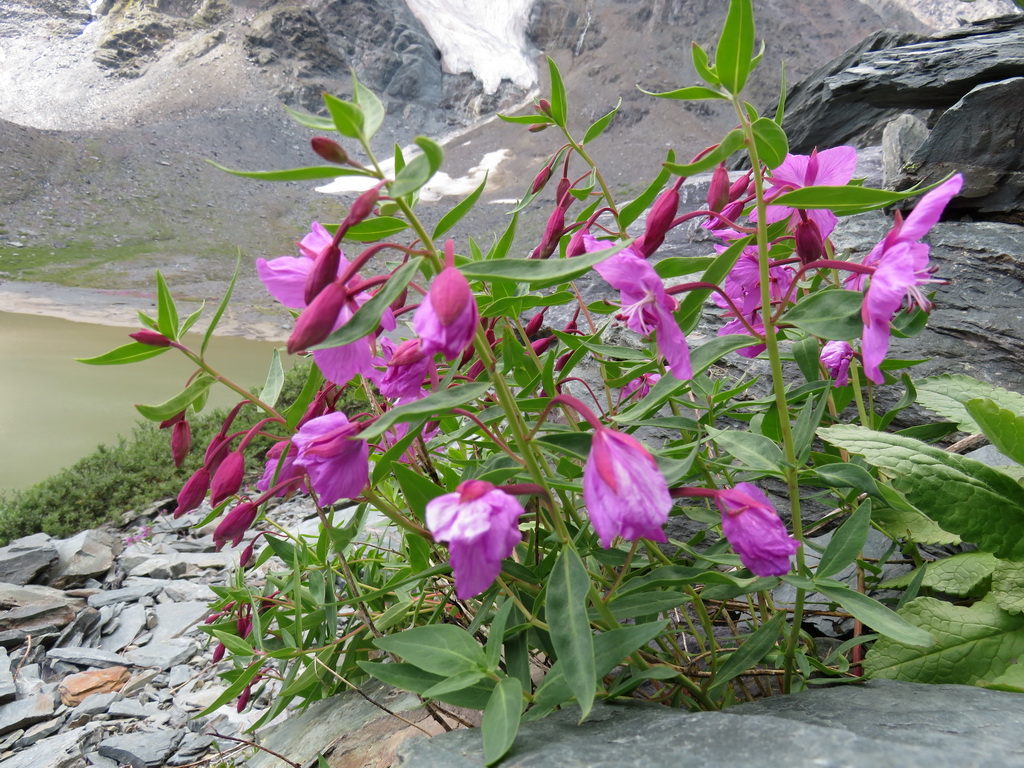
(501, 719)
(1008, 586)
(437, 403)
(232, 692)
(771, 142)
(496, 634)
(234, 643)
(873, 614)
(538, 273)
(1003, 427)
(848, 200)
(275, 380)
(419, 170)
(644, 603)
(732, 142)
(179, 402)
(947, 394)
(972, 643)
(677, 266)
(135, 352)
(735, 51)
(417, 490)
(559, 107)
(847, 542)
(847, 476)
(166, 312)
(372, 230)
(598, 126)
(830, 314)
(692, 93)
(221, 307)
(371, 106)
(569, 625)
(455, 215)
(631, 211)
(751, 651)
(306, 120)
(909, 523)
(962, 495)
(959, 575)
(348, 118)
(453, 683)
(367, 317)
(441, 649)
(754, 451)
(702, 66)
(308, 173)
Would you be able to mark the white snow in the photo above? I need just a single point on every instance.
(484, 37)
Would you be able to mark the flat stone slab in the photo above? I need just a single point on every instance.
(882, 723)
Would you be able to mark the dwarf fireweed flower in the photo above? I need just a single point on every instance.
(480, 524)
(288, 471)
(646, 307)
(836, 357)
(754, 530)
(624, 492)
(405, 371)
(447, 319)
(830, 168)
(901, 268)
(333, 456)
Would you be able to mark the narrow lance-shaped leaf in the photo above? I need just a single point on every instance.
(731, 143)
(437, 403)
(754, 648)
(846, 542)
(418, 171)
(598, 127)
(442, 649)
(559, 108)
(221, 308)
(308, 173)
(566, 612)
(501, 719)
(135, 352)
(348, 118)
(179, 402)
(166, 311)
(735, 52)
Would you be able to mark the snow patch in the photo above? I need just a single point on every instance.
(487, 39)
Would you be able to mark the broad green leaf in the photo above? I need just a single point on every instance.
(751, 651)
(306, 120)
(692, 93)
(598, 127)
(959, 575)
(166, 312)
(348, 118)
(454, 683)
(848, 200)
(221, 307)
(1008, 586)
(441, 649)
(702, 65)
(275, 380)
(367, 317)
(373, 109)
(847, 542)
(538, 272)
(455, 215)
(972, 643)
(412, 678)
(179, 402)
(830, 314)
(1011, 680)
(754, 451)
(437, 403)
(559, 107)
(569, 625)
(308, 173)
(873, 614)
(645, 603)
(847, 476)
(732, 142)
(501, 719)
(372, 230)
(1004, 428)
(234, 643)
(135, 352)
(771, 142)
(909, 523)
(418, 171)
(676, 266)
(735, 52)
(964, 496)
(496, 634)
(631, 211)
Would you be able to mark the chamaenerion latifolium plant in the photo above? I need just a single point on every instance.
(529, 469)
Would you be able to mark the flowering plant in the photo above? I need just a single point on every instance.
(577, 512)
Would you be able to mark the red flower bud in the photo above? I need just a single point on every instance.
(576, 246)
(535, 323)
(193, 492)
(809, 244)
(659, 222)
(537, 127)
(181, 441)
(362, 207)
(173, 420)
(561, 362)
(543, 107)
(246, 556)
(449, 295)
(329, 150)
(228, 478)
(323, 273)
(552, 234)
(739, 187)
(150, 338)
(318, 320)
(215, 452)
(562, 198)
(540, 346)
(541, 180)
(243, 700)
(218, 653)
(234, 525)
(719, 191)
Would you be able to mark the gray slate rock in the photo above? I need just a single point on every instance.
(24, 559)
(127, 626)
(129, 594)
(164, 654)
(61, 751)
(86, 555)
(8, 690)
(86, 657)
(141, 750)
(25, 712)
(900, 139)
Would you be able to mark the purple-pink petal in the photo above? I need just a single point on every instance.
(334, 457)
(755, 531)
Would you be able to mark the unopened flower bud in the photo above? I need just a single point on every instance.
(362, 207)
(318, 319)
(562, 197)
(543, 107)
(150, 338)
(535, 323)
(173, 420)
(234, 525)
(323, 273)
(537, 127)
(243, 699)
(329, 150)
(809, 244)
(659, 221)
(246, 556)
(576, 246)
(739, 187)
(541, 179)
(552, 234)
(218, 653)
(540, 346)
(561, 362)
(718, 192)
(228, 478)
(193, 492)
(215, 452)
(181, 441)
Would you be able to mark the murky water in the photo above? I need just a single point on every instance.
(54, 411)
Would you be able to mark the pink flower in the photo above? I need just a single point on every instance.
(480, 523)
(623, 489)
(743, 287)
(830, 168)
(335, 459)
(288, 470)
(235, 524)
(640, 386)
(447, 319)
(901, 267)
(405, 371)
(646, 307)
(755, 531)
(836, 357)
